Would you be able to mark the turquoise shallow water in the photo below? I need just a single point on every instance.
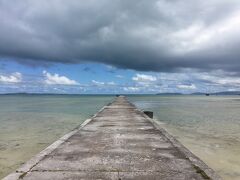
(28, 124)
(208, 126)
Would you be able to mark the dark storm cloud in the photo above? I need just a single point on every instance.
(150, 35)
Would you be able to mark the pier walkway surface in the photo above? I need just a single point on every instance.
(119, 142)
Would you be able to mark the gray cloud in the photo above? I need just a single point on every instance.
(153, 35)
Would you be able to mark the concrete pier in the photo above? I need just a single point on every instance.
(119, 142)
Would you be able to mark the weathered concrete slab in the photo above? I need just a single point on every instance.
(119, 142)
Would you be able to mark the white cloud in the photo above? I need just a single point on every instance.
(12, 78)
(119, 76)
(189, 87)
(229, 81)
(131, 89)
(144, 78)
(200, 35)
(110, 67)
(111, 83)
(187, 81)
(99, 83)
(221, 78)
(55, 79)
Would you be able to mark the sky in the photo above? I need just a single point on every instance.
(120, 46)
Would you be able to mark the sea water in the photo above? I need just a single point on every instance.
(208, 126)
(29, 123)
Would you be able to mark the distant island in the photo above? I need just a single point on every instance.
(202, 93)
(166, 94)
(226, 93)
